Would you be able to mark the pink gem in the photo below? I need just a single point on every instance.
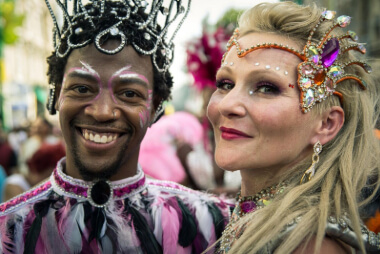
(307, 69)
(248, 206)
(329, 85)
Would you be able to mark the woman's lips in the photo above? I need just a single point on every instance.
(229, 133)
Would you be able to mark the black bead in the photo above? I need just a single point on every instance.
(100, 192)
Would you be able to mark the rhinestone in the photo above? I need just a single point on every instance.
(367, 67)
(328, 14)
(257, 64)
(307, 69)
(343, 20)
(335, 71)
(147, 36)
(277, 68)
(114, 31)
(330, 52)
(309, 97)
(319, 77)
(305, 82)
(163, 52)
(165, 11)
(78, 30)
(329, 85)
(313, 54)
(321, 92)
(353, 35)
(267, 67)
(143, 4)
(286, 73)
(362, 48)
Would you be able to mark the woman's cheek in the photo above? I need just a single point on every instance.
(212, 110)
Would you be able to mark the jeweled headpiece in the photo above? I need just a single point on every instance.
(143, 25)
(320, 70)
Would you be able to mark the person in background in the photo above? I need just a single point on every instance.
(40, 166)
(295, 111)
(8, 157)
(108, 75)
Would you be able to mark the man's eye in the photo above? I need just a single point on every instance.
(81, 89)
(130, 94)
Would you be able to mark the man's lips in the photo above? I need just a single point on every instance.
(229, 133)
(100, 135)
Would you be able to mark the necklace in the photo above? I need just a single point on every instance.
(246, 205)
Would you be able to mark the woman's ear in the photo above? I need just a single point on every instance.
(332, 121)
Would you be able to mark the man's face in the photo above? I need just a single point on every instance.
(105, 107)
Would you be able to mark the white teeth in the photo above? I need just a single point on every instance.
(98, 137)
(103, 139)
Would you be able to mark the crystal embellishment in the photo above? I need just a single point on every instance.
(343, 20)
(309, 97)
(330, 52)
(335, 71)
(328, 14)
(353, 35)
(114, 31)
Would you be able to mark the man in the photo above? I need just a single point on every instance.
(108, 76)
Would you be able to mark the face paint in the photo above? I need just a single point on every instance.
(145, 115)
(291, 86)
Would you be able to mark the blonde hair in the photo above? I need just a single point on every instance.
(346, 163)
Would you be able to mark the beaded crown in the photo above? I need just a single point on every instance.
(143, 25)
(320, 70)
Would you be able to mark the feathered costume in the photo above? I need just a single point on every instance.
(142, 216)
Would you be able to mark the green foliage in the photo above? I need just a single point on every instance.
(9, 22)
(229, 18)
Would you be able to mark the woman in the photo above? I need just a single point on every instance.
(294, 112)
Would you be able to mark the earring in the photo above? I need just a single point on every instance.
(51, 100)
(159, 112)
(309, 173)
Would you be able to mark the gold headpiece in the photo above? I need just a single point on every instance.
(319, 72)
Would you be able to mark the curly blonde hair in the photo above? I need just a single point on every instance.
(346, 164)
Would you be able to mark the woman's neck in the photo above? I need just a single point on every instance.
(254, 181)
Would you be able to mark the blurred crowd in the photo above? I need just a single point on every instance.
(28, 156)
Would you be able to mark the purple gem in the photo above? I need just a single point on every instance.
(248, 206)
(330, 52)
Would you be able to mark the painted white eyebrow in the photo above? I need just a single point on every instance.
(89, 68)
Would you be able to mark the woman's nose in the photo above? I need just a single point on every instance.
(232, 104)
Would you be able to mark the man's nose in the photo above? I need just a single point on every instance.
(102, 107)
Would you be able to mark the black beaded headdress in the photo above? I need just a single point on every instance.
(148, 26)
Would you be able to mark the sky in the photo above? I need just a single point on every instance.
(192, 28)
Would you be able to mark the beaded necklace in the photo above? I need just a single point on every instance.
(246, 205)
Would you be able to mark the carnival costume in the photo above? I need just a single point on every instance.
(133, 215)
(319, 73)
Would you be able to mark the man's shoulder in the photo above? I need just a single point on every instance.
(27, 198)
(190, 197)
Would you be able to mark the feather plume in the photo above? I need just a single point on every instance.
(170, 224)
(204, 219)
(189, 228)
(143, 232)
(71, 229)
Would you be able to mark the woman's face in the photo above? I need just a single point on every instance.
(255, 111)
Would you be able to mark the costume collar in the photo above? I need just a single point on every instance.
(98, 193)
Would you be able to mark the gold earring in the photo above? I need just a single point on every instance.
(309, 173)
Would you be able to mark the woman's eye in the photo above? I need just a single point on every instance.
(224, 85)
(267, 88)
